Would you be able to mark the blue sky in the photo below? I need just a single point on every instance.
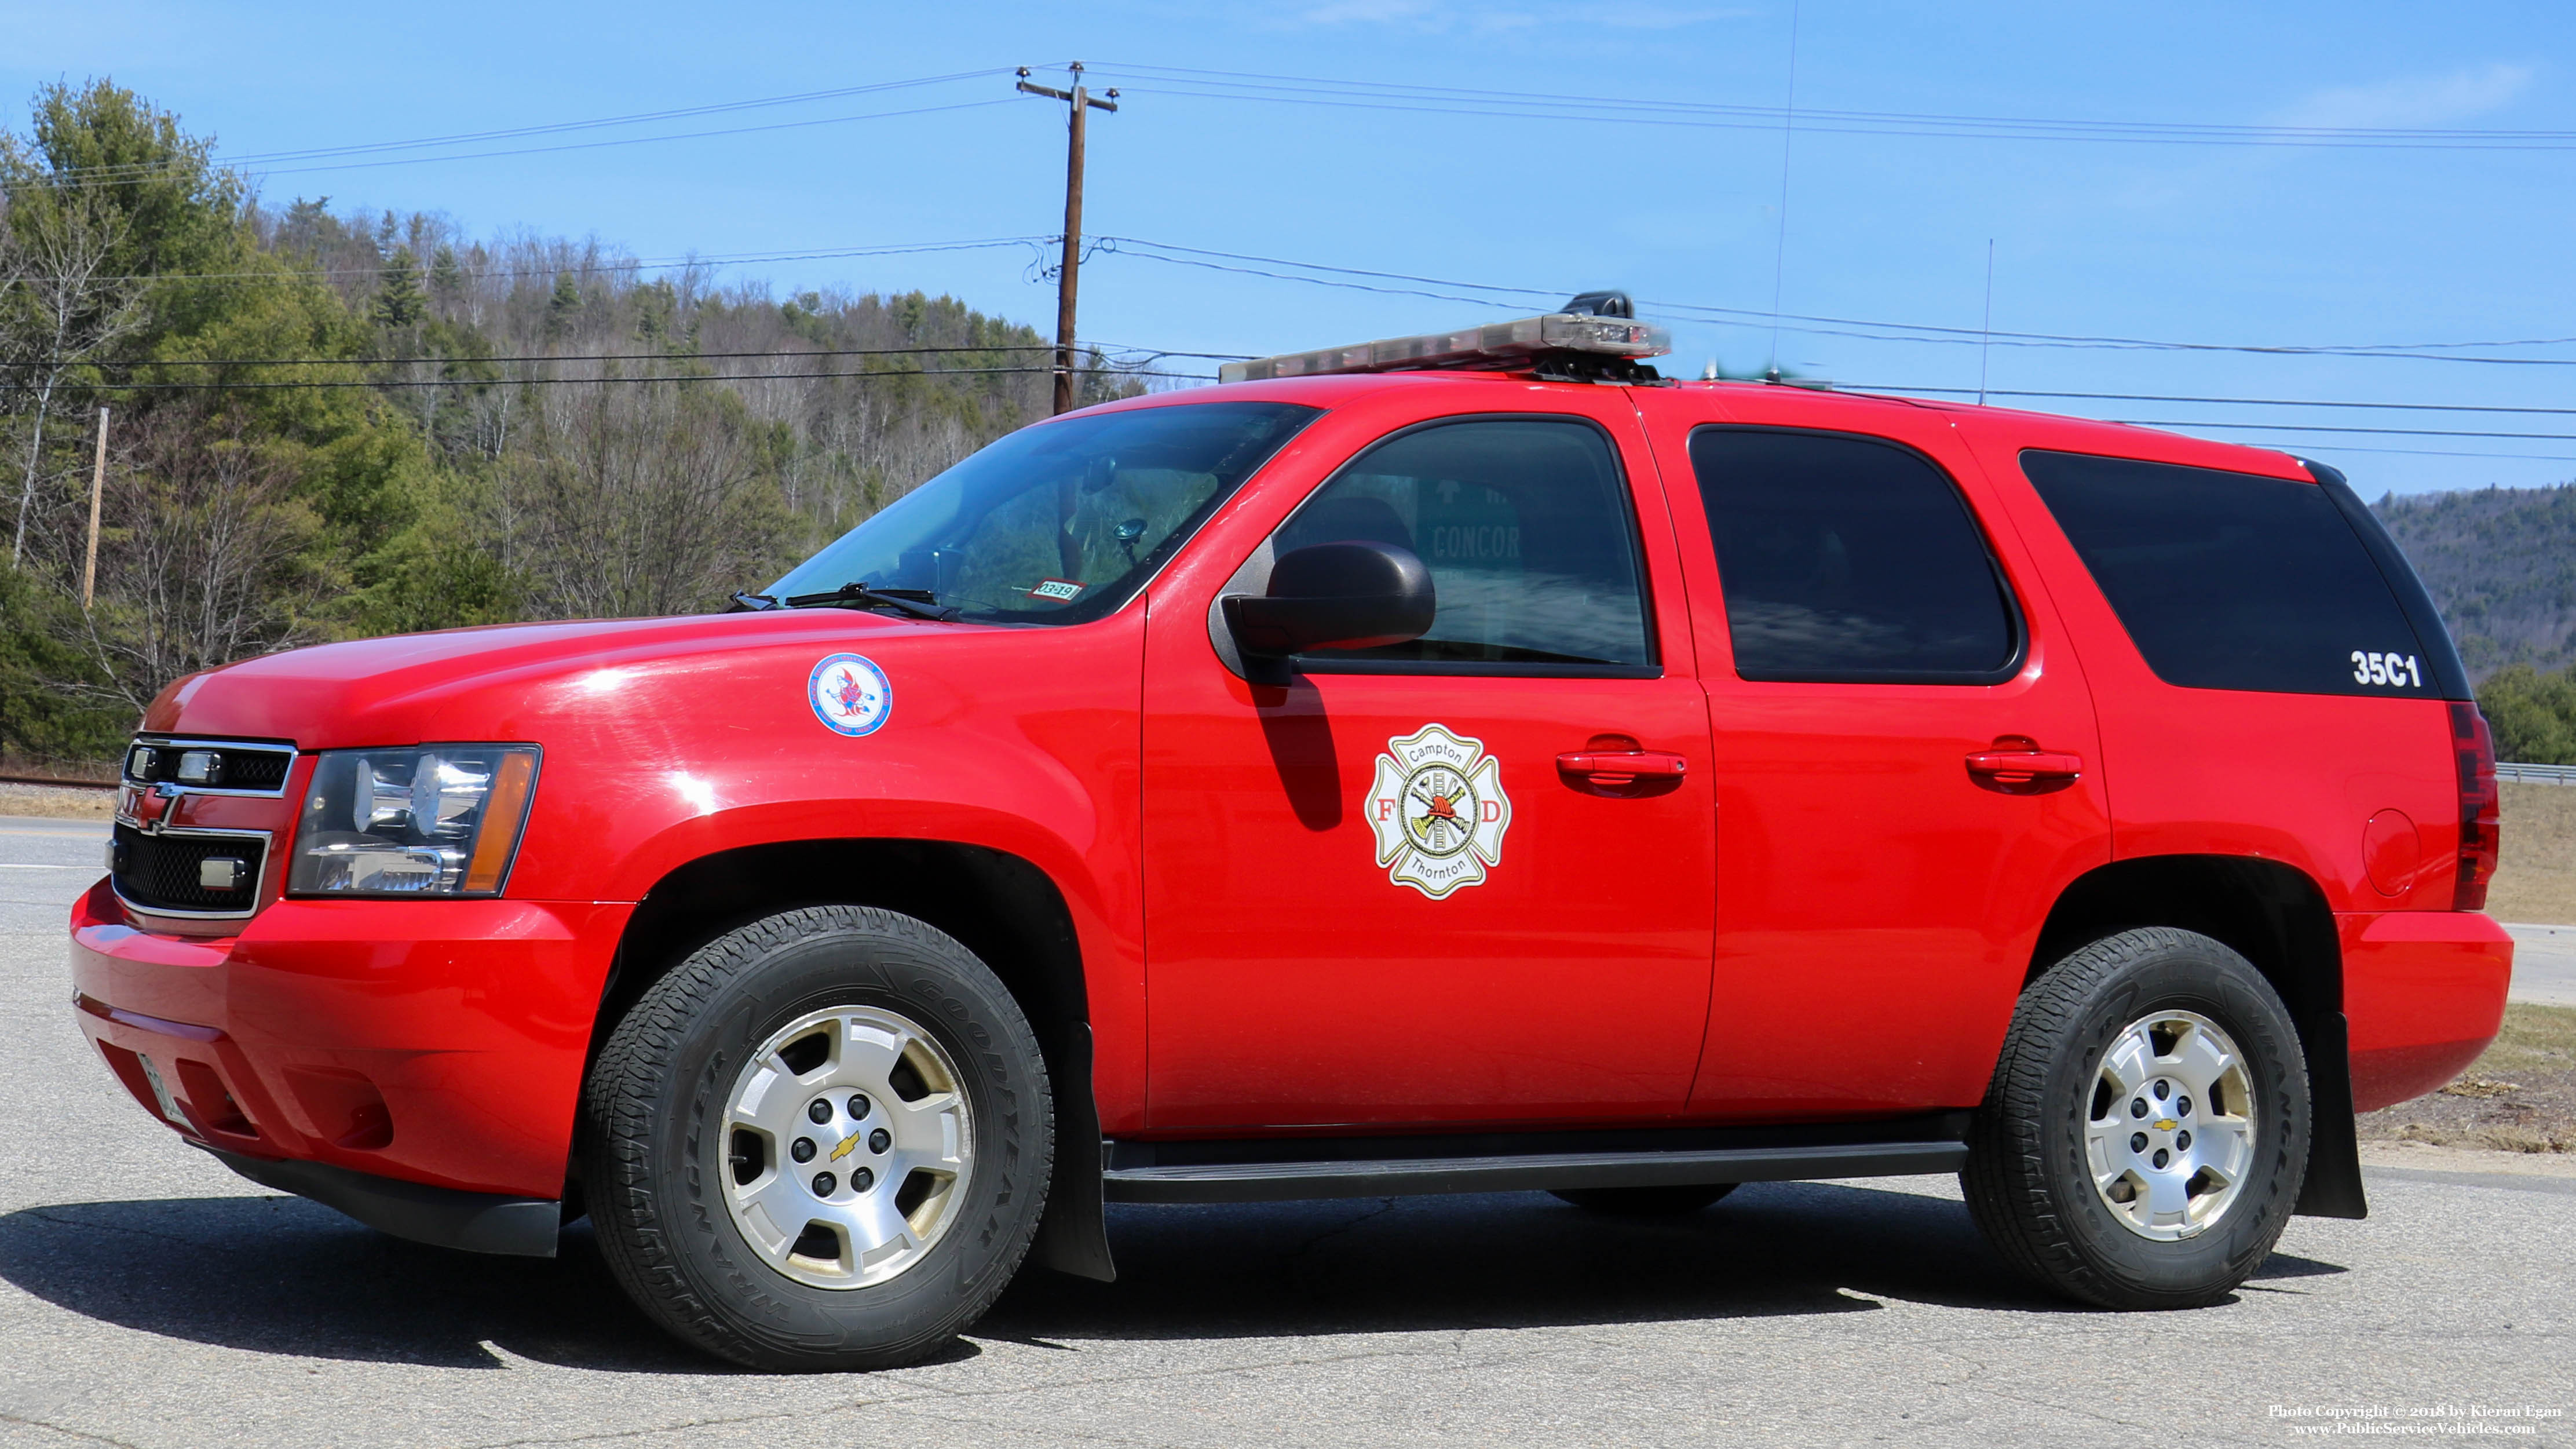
(2265, 244)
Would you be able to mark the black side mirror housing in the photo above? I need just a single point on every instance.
(1352, 595)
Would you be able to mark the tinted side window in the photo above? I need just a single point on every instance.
(1524, 524)
(1849, 558)
(2231, 580)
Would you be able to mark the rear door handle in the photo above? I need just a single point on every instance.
(1620, 767)
(2015, 767)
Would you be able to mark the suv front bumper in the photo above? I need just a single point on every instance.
(438, 1043)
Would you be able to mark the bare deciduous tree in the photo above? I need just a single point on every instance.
(59, 311)
(628, 499)
(205, 561)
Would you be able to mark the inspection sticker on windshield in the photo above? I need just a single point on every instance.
(850, 694)
(1061, 590)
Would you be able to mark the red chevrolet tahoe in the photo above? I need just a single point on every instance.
(1454, 763)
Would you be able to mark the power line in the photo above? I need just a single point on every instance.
(2335, 428)
(133, 170)
(2330, 447)
(875, 375)
(2298, 428)
(628, 264)
(2273, 402)
(1492, 294)
(1111, 370)
(83, 180)
(1456, 100)
(637, 118)
(608, 356)
(1253, 265)
(636, 140)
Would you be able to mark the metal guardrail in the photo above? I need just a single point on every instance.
(56, 783)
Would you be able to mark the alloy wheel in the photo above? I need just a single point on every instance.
(848, 1144)
(2169, 1136)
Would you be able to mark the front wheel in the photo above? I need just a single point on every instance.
(2146, 1132)
(821, 1142)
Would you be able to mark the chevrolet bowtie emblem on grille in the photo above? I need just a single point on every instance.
(147, 809)
(844, 1149)
(2166, 1124)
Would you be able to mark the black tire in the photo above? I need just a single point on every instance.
(2027, 1181)
(654, 1180)
(1644, 1202)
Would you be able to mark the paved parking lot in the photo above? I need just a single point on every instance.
(150, 1298)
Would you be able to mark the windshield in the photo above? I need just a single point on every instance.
(1060, 522)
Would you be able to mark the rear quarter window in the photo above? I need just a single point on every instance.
(2234, 580)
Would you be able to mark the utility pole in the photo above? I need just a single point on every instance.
(97, 487)
(1077, 101)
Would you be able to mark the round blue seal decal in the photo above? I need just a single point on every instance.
(850, 694)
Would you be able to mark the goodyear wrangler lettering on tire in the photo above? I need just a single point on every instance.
(1438, 810)
(850, 694)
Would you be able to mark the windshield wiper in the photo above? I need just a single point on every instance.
(915, 603)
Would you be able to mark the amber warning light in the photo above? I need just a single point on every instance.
(1596, 336)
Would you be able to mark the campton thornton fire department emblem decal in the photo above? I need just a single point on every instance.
(1438, 808)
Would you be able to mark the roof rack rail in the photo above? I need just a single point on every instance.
(1594, 338)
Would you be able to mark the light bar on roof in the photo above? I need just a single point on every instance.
(1499, 345)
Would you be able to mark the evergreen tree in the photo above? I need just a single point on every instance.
(398, 299)
(446, 277)
(301, 230)
(653, 304)
(564, 307)
(172, 208)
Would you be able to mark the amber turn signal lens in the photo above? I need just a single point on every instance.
(503, 814)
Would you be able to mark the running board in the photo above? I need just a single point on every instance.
(1272, 1169)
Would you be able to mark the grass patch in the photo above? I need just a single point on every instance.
(2536, 880)
(60, 804)
(2518, 1096)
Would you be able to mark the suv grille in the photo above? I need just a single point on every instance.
(164, 872)
(254, 769)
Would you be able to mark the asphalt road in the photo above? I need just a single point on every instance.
(2544, 964)
(150, 1298)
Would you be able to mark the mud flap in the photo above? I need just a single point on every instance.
(2333, 1187)
(1075, 1236)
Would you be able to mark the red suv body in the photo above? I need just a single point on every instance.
(1747, 783)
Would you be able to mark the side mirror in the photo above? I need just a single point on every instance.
(1335, 596)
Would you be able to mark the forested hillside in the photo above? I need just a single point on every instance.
(2501, 562)
(325, 425)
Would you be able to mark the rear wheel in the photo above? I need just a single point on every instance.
(821, 1142)
(2146, 1132)
(1645, 1202)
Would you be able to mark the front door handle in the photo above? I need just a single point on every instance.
(2024, 766)
(1621, 767)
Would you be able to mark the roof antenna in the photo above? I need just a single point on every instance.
(1986, 338)
(1780, 240)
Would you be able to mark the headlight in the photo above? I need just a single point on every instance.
(440, 820)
